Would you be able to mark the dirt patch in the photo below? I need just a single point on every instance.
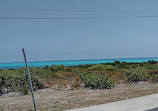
(56, 100)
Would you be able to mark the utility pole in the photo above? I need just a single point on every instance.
(30, 83)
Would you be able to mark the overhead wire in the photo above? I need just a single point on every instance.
(67, 18)
(75, 18)
(54, 10)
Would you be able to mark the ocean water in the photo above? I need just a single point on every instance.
(17, 65)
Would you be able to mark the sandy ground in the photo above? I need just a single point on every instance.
(57, 100)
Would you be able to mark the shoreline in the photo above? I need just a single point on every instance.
(68, 63)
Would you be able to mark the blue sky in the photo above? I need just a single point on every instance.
(64, 39)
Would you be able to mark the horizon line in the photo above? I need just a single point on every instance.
(81, 60)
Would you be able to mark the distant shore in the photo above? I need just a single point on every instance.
(17, 65)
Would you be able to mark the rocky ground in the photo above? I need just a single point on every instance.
(62, 99)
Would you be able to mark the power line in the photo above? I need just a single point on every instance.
(77, 18)
(52, 10)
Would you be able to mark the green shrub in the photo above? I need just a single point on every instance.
(154, 67)
(102, 67)
(135, 75)
(97, 81)
(37, 83)
(47, 67)
(56, 68)
(152, 62)
(17, 80)
(25, 90)
(82, 66)
(154, 78)
(121, 65)
(116, 63)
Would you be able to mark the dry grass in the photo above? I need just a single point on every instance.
(56, 100)
(118, 75)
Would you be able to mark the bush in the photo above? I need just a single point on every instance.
(17, 80)
(47, 67)
(82, 66)
(102, 67)
(154, 67)
(37, 83)
(154, 78)
(116, 62)
(122, 65)
(56, 68)
(135, 75)
(152, 62)
(97, 81)
(13, 80)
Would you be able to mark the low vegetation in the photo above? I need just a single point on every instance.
(97, 81)
(103, 67)
(97, 76)
(137, 74)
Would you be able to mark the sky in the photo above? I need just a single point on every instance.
(120, 35)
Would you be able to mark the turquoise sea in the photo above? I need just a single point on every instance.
(16, 65)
